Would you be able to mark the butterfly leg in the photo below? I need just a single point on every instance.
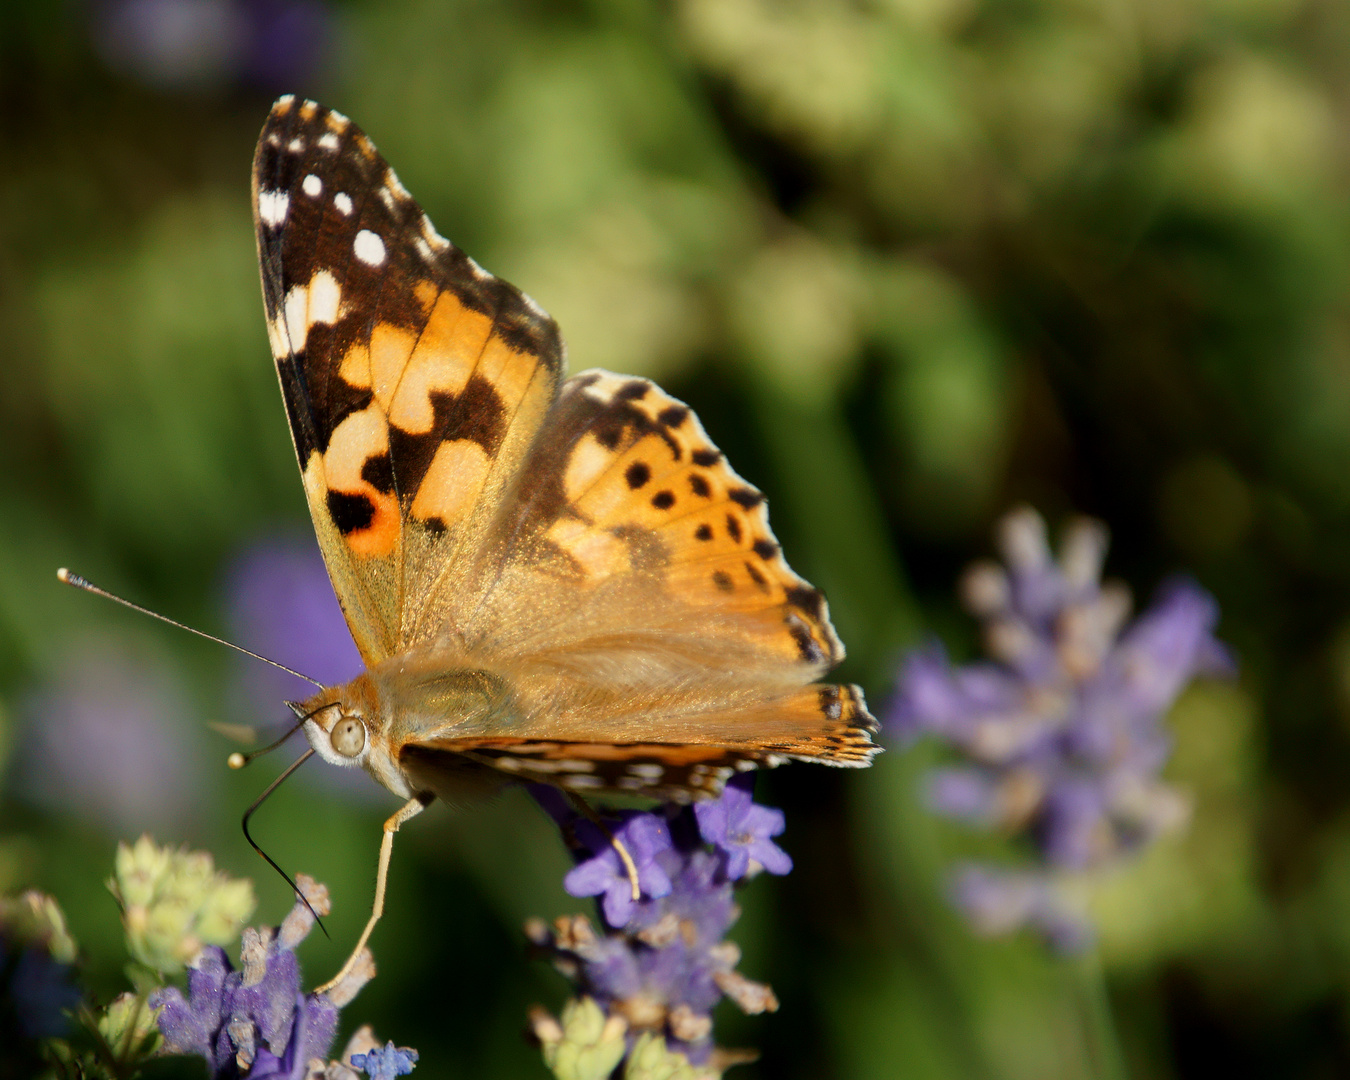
(630, 867)
(410, 810)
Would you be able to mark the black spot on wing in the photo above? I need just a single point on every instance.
(765, 549)
(807, 647)
(746, 497)
(378, 473)
(663, 500)
(673, 415)
(703, 532)
(757, 577)
(349, 512)
(807, 599)
(706, 458)
(723, 580)
(637, 474)
(734, 527)
(699, 486)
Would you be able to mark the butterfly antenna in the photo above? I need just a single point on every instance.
(71, 578)
(268, 858)
(238, 760)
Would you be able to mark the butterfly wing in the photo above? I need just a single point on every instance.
(414, 382)
(643, 604)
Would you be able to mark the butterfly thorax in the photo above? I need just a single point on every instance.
(371, 720)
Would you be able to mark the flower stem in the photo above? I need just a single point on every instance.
(1104, 1053)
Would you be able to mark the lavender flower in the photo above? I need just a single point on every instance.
(604, 874)
(660, 963)
(255, 1022)
(1062, 732)
(210, 45)
(741, 830)
(386, 1063)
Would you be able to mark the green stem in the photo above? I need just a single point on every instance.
(1104, 1052)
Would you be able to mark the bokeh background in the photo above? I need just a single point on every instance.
(913, 261)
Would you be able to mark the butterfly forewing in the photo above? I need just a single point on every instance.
(413, 380)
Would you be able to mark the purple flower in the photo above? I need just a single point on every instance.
(604, 874)
(386, 1063)
(255, 1021)
(210, 45)
(664, 962)
(280, 603)
(1063, 730)
(113, 741)
(999, 901)
(741, 830)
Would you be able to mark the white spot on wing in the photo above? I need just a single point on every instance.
(478, 271)
(312, 185)
(337, 118)
(343, 202)
(325, 297)
(328, 141)
(272, 207)
(296, 308)
(305, 305)
(369, 248)
(296, 145)
(386, 197)
(285, 99)
(647, 770)
(424, 249)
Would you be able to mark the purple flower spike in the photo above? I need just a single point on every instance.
(386, 1063)
(255, 1021)
(604, 874)
(662, 962)
(741, 830)
(1062, 730)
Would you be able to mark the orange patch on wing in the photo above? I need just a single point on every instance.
(426, 293)
(361, 436)
(390, 347)
(452, 483)
(441, 361)
(354, 368)
(381, 536)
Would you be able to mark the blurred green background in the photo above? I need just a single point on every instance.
(912, 261)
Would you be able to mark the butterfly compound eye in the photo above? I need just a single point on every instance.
(348, 736)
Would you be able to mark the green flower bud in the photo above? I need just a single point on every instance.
(128, 1027)
(174, 902)
(586, 1046)
(33, 918)
(652, 1059)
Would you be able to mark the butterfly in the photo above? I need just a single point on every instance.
(551, 580)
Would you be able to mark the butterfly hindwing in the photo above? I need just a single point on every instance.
(414, 381)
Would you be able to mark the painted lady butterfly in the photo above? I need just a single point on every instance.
(549, 580)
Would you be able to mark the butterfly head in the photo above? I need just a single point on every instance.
(341, 721)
